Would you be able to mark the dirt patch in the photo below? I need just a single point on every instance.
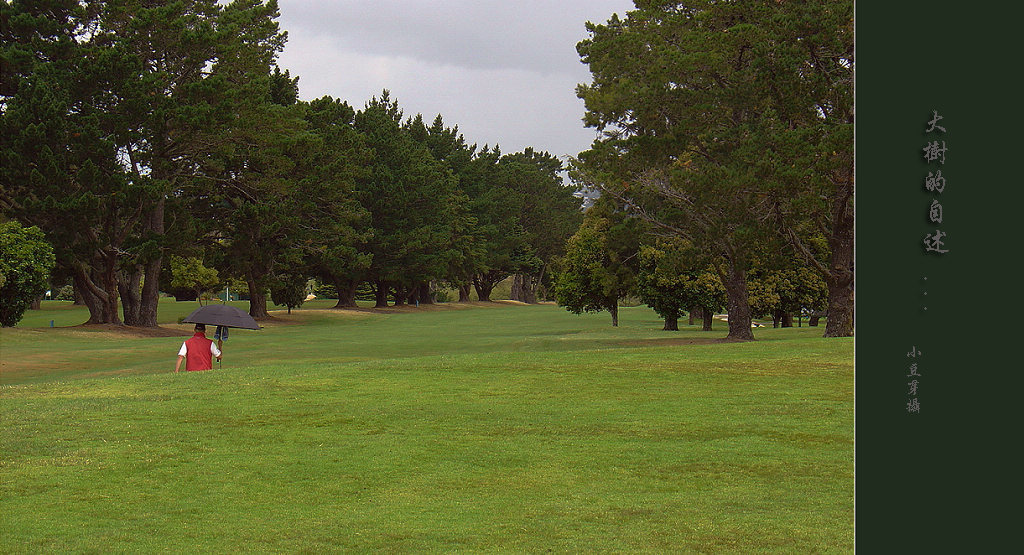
(670, 342)
(113, 330)
(406, 308)
(281, 319)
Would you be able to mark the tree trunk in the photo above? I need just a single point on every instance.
(840, 309)
(735, 282)
(483, 289)
(37, 304)
(257, 300)
(787, 319)
(401, 294)
(524, 289)
(79, 299)
(693, 312)
(671, 323)
(614, 309)
(102, 301)
(540, 292)
(840, 283)
(776, 318)
(813, 321)
(425, 294)
(346, 292)
(707, 317)
(150, 300)
(464, 289)
(128, 287)
(381, 294)
(516, 293)
(840, 302)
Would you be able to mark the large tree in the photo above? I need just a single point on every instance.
(252, 202)
(547, 213)
(115, 108)
(601, 261)
(339, 253)
(716, 117)
(413, 200)
(808, 62)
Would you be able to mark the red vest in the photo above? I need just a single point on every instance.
(198, 355)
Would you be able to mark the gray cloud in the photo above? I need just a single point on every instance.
(504, 72)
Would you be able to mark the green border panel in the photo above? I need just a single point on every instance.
(939, 478)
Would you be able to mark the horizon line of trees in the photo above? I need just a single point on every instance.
(135, 136)
(615, 256)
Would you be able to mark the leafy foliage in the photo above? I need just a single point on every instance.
(289, 290)
(26, 260)
(190, 273)
(793, 288)
(673, 277)
(713, 115)
(600, 262)
(115, 110)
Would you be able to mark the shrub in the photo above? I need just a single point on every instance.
(26, 260)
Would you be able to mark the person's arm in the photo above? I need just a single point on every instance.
(181, 356)
(215, 349)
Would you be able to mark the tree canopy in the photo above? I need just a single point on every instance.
(726, 124)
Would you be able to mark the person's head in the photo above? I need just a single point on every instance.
(201, 327)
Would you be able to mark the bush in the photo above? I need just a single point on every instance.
(66, 293)
(443, 295)
(325, 291)
(26, 260)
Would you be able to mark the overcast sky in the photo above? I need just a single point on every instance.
(504, 71)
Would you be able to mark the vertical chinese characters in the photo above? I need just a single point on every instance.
(913, 403)
(935, 183)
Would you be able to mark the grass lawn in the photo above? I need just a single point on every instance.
(512, 428)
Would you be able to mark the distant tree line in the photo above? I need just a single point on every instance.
(726, 128)
(614, 256)
(141, 137)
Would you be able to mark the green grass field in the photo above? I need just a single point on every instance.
(487, 428)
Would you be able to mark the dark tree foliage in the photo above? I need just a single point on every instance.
(413, 200)
(719, 119)
(289, 290)
(340, 254)
(111, 112)
(548, 215)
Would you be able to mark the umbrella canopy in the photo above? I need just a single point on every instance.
(222, 315)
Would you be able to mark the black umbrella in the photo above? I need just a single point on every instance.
(222, 315)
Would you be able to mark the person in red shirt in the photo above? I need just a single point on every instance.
(197, 352)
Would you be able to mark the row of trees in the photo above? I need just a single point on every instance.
(728, 127)
(614, 256)
(138, 132)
